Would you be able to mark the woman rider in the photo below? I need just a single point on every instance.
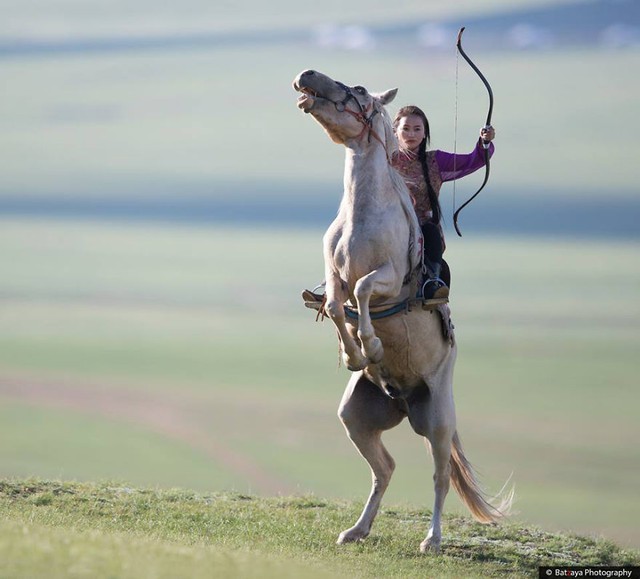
(424, 171)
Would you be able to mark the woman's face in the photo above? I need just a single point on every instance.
(410, 132)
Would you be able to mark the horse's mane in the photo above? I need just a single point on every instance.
(391, 145)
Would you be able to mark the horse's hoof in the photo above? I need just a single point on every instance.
(355, 363)
(351, 536)
(430, 545)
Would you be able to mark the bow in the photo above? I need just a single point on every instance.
(487, 124)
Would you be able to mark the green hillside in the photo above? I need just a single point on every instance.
(55, 530)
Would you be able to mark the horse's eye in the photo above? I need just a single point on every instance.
(360, 90)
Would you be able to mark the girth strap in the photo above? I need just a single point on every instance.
(402, 306)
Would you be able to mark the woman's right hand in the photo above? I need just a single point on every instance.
(487, 134)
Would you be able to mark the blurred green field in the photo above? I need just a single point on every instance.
(121, 17)
(176, 356)
(193, 121)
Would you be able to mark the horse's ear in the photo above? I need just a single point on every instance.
(387, 96)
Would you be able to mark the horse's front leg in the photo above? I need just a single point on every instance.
(382, 282)
(337, 295)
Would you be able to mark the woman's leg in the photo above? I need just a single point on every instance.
(445, 273)
(433, 286)
(433, 246)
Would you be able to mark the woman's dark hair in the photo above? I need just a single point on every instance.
(422, 155)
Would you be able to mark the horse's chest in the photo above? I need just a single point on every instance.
(363, 247)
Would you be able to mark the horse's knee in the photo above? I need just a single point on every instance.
(334, 309)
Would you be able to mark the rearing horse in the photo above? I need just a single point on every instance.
(403, 367)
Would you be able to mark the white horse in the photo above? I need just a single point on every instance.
(403, 367)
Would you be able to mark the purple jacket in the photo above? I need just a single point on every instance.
(454, 166)
(442, 167)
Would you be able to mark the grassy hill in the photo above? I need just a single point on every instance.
(72, 530)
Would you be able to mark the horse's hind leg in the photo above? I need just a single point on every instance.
(432, 414)
(366, 412)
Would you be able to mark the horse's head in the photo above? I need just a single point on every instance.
(345, 112)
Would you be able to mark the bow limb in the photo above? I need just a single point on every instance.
(487, 123)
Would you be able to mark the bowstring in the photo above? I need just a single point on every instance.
(455, 131)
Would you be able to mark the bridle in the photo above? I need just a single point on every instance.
(360, 114)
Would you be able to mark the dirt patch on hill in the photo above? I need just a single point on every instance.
(166, 414)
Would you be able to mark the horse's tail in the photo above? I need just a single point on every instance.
(473, 496)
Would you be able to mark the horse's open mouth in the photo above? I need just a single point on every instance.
(307, 98)
(306, 90)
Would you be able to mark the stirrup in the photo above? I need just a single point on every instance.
(437, 292)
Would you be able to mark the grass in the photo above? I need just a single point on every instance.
(64, 529)
(32, 551)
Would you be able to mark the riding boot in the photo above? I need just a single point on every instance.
(433, 288)
(314, 299)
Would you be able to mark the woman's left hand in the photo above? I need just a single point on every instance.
(487, 134)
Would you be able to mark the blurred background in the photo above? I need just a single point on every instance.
(162, 202)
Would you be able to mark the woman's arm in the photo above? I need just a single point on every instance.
(453, 166)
